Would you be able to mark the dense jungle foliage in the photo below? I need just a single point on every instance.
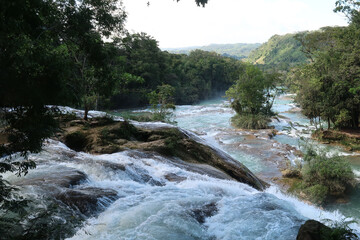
(279, 52)
(328, 87)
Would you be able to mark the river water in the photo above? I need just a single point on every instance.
(149, 206)
(264, 156)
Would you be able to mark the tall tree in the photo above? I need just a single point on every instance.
(49, 49)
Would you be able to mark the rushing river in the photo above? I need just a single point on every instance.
(150, 206)
(262, 155)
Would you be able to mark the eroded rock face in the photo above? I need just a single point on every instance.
(169, 141)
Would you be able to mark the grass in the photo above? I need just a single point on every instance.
(250, 121)
(124, 131)
(147, 116)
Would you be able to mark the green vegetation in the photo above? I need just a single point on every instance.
(197, 76)
(328, 88)
(76, 140)
(251, 121)
(237, 50)
(279, 52)
(252, 97)
(325, 177)
(350, 141)
(60, 57)
(333, 230)
(52, 53)
(162, 103)
(339, 230)
(125, 131)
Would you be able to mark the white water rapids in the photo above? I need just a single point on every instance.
(150, 206)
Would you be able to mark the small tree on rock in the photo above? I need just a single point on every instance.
(162, 101)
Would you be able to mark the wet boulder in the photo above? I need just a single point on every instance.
(312, 230)
(88, 200)
(54, 176)
(208, 210)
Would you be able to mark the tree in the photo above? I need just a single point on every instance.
(86, 24)
(52, 53)
(162, 102)
(254, 92)
(330, 87)
(33, 70)
(252, 97)
(199, 2)
(350, 8)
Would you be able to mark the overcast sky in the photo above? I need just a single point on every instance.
(184, 24)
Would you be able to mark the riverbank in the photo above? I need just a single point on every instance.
(348, 138)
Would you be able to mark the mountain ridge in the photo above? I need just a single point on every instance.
(234, 50)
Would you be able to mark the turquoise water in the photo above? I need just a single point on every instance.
(211, 119)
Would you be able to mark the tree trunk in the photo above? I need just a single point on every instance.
(328, 120)
(355, 119)
(86, 111)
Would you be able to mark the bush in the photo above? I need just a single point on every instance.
(339, 230)
(317, 193)
(125, 131)
(249, 121)
(325, 176)
(76, 141)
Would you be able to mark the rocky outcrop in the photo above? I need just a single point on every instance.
(181, 147)
(200, 214)
(312, 230)
(88, 200)
(65, 185)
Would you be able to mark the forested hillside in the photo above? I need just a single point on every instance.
(195, 77)
(280, 52)
(236, 50)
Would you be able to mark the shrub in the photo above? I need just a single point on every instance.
(317, 193)
(76, 141)
(172, 141)
(125, 131)
(325, 176)
(339, 230)
(249, 121)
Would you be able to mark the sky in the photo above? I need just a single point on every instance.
(183, 24)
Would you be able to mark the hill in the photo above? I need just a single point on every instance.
(236, 50)
(281, 52)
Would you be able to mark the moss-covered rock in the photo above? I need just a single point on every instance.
(179, 146)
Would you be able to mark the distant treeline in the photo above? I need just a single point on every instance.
(197, 76)
(236, 50)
